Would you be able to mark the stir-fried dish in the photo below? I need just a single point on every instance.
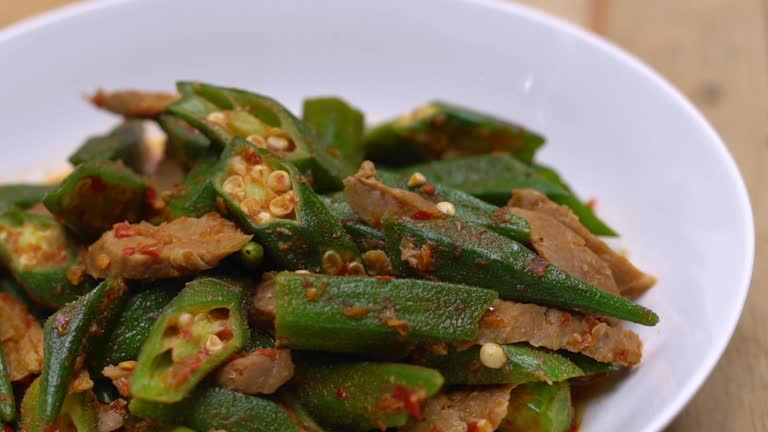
(422, 275)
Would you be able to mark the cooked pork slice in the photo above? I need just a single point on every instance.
(262, 371)
(630, 281)
(510, 322)
(470, 410)
(133, 103)
(566, 250)
(372, 200)
(262, 304)
(21, 338)
(178, 248)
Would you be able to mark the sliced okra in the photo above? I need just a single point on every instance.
(7, 399)
(196, 196)
(198, 331)
(23, 195)
(184, 143)
(539, 407)
(269, 199)
(339, 125)
(122, 143)
(78, 412)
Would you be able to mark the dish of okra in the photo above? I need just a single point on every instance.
(264, 271)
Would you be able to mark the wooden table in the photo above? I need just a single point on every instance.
(716, 51)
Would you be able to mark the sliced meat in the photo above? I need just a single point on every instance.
(121, 376)
(471, 410)
(630, 281)
(133, 103)
(112, 416)
(178, 248)
(262, 304)
(373, 200)
(21, 337)
(509, 322)
(566, 250)
(262, 371)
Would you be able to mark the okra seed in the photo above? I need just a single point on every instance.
(278, 143)
(234, 186)
(446, 208)
(218, 117)
(282, 205)
(257, 140)
(303, 272)
(251, 206)
(356, 269)
(279, 181)
(259, 173)
(332, 263)
(237, 165)
(262, 218)
(213, 344)
(416, 179)
(185, 319)
(377, 262)
(492, 356)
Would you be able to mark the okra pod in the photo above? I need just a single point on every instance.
(196, 196)
(196, 332)
(78, 411)
(465, 253)
(588, 365)
(66, 336)
(361, 396)
(523, 364)
(268, 198)
(339, 125)
(96, 195)
(7, 400)
(40, 256)
(372, 316)
(23, 195)
(492, 178)
(212, 408)
(439, 130)
(223, 113)
(123, 143)
(184, 143)
(366, 237)
(298, 413)
(539, 407)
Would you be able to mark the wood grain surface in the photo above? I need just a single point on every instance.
(716, 52)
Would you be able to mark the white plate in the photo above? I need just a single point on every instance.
(616, 129)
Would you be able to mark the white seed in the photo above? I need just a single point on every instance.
(237, 165)
(355, 268)
(262, 218)
(213, 344)
(234, 186)
(251, 206)
(218, 117)
(446, 208)
(332, 263)
(185, 319)
(416, 179)
(257, 140)
(278, 143)
(492, 356)
(303, 272)
(377, 263)
(279, 181)
(259, 174)
(282, 205)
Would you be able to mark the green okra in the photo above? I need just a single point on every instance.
(124, 143)
(212, 408)
(196, 196)
(474, 255)
(223, 113)
(492, 178)
(439, 130)
(196, 332)
(539, 407)
(588, 365)
(7, 399)
(39, 254)
(362, 396)
(66, 336)
(524, 364)
(23, 195)
(298, 413)
(553, 176)
(96, 195)
(184, 143)
(286, 217)
(339, 125)
(130, 332)
(78, 411)
(365, 236)
(362, 315)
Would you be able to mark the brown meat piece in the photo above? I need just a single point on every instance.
(630, 281)
(262, 371)
(262, 304)
(182, 247)
(372, 200)
(481, 408)
(133, 103)
(112, 416)
(21, 338)
(509, 322)
(566, 250)
(121, 376)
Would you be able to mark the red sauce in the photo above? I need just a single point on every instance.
(341, 394)
(252, 158)
(422, 215)
(410, 402)
(123, 230)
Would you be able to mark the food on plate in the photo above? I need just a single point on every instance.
(306, 274)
